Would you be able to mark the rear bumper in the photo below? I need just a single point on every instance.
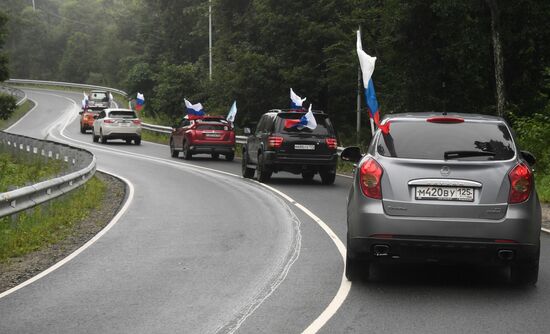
(272, 158)
(409, 249)
(213, 148)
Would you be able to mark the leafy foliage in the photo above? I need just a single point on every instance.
(8, 104)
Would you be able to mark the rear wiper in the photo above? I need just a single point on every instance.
(463, 154)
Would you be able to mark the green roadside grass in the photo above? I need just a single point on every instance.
(18, 172)
(49, 223)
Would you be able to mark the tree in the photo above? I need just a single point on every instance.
(4, 72)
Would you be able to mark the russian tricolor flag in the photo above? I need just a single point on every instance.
(140, 101)
(194, 110)
(296, 101)
(306, 121)
(85, 102)
(367, 68)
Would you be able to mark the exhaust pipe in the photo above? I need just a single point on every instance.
(381, 250)
(506, 254)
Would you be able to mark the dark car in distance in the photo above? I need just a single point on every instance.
(212, 135)
(273, 147)
(449, 189)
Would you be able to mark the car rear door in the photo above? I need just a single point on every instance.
(418, 181)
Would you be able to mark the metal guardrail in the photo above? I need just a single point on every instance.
(20, 95)
(146, 126)
(81, 166)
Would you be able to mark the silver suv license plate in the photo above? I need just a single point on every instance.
(445, 193)
(304, 147)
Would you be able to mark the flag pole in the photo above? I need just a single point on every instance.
(210, 39)
(359, 86)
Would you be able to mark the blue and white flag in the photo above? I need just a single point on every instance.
(85, 102)
(194, 110)
(232, 112)
(295, 100)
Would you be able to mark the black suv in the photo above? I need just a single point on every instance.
(273, 147)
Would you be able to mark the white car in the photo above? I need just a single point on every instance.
(117, 124)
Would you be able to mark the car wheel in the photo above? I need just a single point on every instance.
(525, 274)
(308, 175)
(95, 138)
(186, 151)
(230, 156)
(215, 156)
(102, 138)
(248, 173)
(128, 141)
(82, 129)
(137, 141)
(173, 152)
(263, 174)
(328, 176)
(356, 269)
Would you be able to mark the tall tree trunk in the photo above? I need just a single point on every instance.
(497, 54)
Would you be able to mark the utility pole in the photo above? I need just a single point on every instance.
(33, 6)
(209, 38)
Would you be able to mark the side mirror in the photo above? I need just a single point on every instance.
(247, 131)
(81, 112)
(529, 157)
(96, 116)
(351, 154)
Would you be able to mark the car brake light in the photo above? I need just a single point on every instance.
(445, 120)
(521, 182)
(331, 143)
(136, 121)
(275, 142)
(109, 121)
(370, 175)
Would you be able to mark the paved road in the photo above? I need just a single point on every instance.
(184, 260)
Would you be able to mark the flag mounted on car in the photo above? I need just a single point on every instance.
(296, 101)
(367, 68)
(232, 112)
(306, 121)
(85, 102)
(140, 101)
(194, 111)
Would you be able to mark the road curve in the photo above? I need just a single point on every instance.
(405, 299)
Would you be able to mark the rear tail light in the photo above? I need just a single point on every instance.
(109, 121)
(332, 143)
(275, 142)
(370, 175)
(445, 120)
(136, 122)
(521, 182)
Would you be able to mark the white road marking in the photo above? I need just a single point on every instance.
(90, 242)
(28, 112)
(545, 230)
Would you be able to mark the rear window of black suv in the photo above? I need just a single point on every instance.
(324, 126)
(419, 139)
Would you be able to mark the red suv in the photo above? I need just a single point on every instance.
(211, 135)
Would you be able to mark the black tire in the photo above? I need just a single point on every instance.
(173, 152)
(102, 138)
(356, 268)
(215, 156)
(525, 274)
(187, 155)
(328, 177)
(95, 138)
(248, 173)
(82, 129)
(230, 156)
(308, 175)
(262, 172)
(128, 141)
(137, 141)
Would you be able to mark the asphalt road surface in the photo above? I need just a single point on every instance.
(201, 250)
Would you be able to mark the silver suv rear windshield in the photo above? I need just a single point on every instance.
(122, 114)
(471, 141)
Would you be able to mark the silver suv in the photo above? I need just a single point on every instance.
(444, 189)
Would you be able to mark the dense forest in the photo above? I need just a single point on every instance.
(433, 55)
